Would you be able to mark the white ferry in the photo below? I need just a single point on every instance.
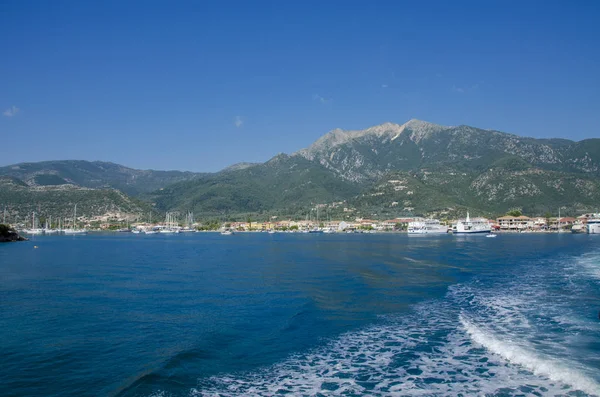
(472, 226)
(593, 224)
(427, 226)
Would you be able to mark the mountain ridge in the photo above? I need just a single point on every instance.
(343, 165)
(94, 174)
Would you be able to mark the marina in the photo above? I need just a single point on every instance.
(587, 223)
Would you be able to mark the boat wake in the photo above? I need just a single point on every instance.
(505, 338)
(540, 365)
(590, 265)
(423, 354)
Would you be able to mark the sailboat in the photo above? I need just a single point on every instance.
(169, 225)
(73, 230)
(560, 229)
(189, 221)
(34, 229)
(149, 229)
(329, 229)
(316, 229)
(48, 229)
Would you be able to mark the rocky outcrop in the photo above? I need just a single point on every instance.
(8, 235)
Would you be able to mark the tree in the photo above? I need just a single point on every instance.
(548, 215)
(4, 230)
(514, 213)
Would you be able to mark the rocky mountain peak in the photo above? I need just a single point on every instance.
(239, 166)
(337, 137)
(421, 129)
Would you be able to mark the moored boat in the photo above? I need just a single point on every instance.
(472, 226)
(578, 228)
(34, 230)
(593, 225)
(74, 230)
(427, 226)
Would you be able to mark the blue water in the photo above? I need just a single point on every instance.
(300, 314)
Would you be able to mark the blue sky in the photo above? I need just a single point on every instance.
(201, 85)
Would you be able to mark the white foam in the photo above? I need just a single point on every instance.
(590, 263)
(160, 393)
(536, 363)
(443, 348)
(422, 354)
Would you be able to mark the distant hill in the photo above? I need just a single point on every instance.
(496, 191)
(444, 168)
(239, 166)
(94, 174)
(20, 200)
(289, 184)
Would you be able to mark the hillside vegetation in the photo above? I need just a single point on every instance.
(21, 200)
(389, 169)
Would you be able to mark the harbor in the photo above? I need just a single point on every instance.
(585, 223)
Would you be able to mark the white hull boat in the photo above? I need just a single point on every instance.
(473, 226)
(427, 226)
(593, 226)
(33, 231)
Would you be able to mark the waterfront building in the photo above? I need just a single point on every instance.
(515, 223)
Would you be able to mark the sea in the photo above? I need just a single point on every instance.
(257, 314)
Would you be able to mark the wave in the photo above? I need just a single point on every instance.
(590, 264)
(426, 353)
(536, 363)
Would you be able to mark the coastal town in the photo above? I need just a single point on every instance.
(514, 222)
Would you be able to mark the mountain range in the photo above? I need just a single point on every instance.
(386, 170)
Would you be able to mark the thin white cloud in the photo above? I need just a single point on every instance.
(384, 86)
(238, 122)
(11, 112)
(321, 99)
(467, 89)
